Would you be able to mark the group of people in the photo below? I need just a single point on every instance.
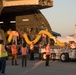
(24, 51)
(14, 51)
(30, 51)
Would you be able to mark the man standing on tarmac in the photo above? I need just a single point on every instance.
(14, 53)
(24, 51)
(3, 55)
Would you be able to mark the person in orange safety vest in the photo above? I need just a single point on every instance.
(47, 48)
(14, 53)
(24, 51)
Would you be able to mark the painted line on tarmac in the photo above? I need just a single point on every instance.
(35, 65)
(54, 61)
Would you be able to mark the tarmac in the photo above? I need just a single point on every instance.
(37, 67)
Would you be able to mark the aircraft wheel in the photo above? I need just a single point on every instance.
(44, 56)
(64, 57)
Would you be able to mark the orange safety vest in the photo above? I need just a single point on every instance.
(14, 50)
(24, 50)
(32, 47)
(47, 50)
(15, 33)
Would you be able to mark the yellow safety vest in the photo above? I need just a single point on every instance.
(3, 53)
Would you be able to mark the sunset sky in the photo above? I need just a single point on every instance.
(62, 16)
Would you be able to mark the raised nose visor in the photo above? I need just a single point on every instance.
(24, 4)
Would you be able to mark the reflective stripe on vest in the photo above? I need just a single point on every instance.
(23, 51)
(3, 53)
